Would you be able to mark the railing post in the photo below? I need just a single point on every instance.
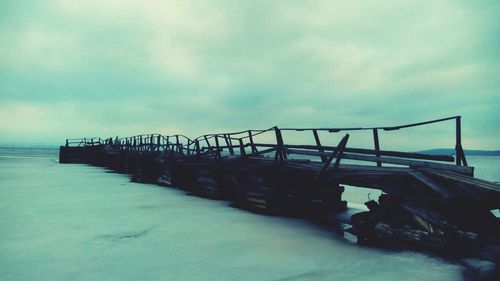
(208, 143)
(242, 148)
(217, 146)
(377, 146)
(229, 144)
(318, 144)
(197, 143)
(252, 144)
(280, 153)
(459, 151)
(177, 143)
(67, 143)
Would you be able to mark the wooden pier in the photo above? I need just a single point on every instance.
(431, 200)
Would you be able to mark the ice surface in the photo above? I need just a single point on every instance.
(76, 222)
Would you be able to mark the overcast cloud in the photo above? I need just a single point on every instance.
(108, 68)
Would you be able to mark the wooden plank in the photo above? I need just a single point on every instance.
(411, 163)
(272, 149)
(473, 182)
(429, 183)
(412, 155)
(390, 160)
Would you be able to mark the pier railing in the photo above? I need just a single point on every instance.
(245, 144)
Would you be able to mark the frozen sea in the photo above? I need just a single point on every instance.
(78, 222)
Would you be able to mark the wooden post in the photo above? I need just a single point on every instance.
(217, 146)
(177, 143)
(252, 144)
(158, 142)
(242, 148)
(208, 143)
(459, 154)
(197, 143)
(459, 151)
(280, 153)
(318, 143)
(229, 144)
(67, 143)
(377, 146)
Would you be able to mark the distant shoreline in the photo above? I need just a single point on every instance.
(468, 152)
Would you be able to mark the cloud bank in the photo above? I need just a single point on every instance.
(107, 68)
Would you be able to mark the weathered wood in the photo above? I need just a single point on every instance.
(269, 150)
(440, 190)
(377, 145)
(458, 141)
(229, 144)
(411, 155)
(318, 144)
(423, 202)
(334, 154)
(252, 144)
(242, 148)
(280, 154)
(390, 160)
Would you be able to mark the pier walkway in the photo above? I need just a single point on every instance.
(432, 200)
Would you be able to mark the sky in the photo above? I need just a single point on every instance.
(106, 68)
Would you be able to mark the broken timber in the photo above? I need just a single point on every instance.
(431, 200)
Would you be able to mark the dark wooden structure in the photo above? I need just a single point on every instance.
(429, 200)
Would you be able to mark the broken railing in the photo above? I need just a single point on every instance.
(245, 144)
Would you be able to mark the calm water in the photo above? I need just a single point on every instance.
(76, 222)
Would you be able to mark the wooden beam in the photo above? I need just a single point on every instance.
(280, 154)
(250, 137)
(390, 160)
(229, 144)
(318, 144)
(458, 142)
(242, 148)
(272, 149)
(411, 155)
(430, 184)
(334, 154)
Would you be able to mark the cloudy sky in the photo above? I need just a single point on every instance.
(107, 68)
